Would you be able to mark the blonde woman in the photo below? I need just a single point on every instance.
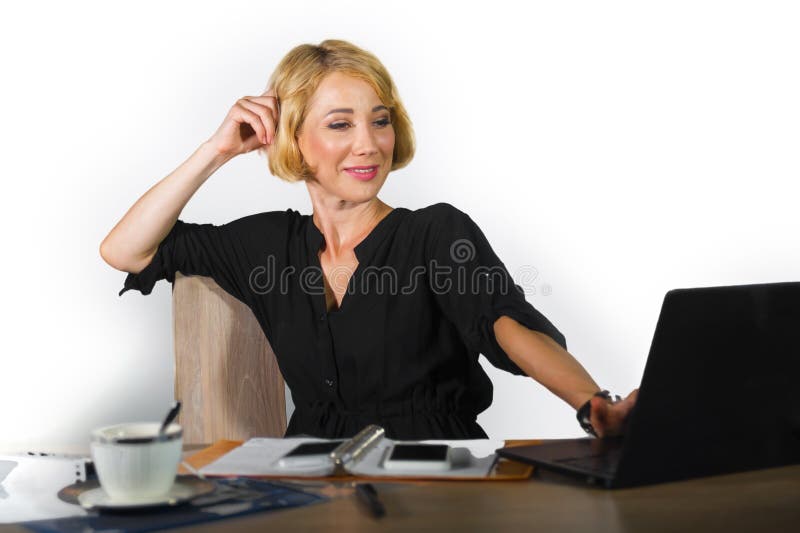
(375, 314)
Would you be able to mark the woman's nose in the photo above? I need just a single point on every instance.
(364, 142)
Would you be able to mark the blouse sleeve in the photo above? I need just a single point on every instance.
(473, 287)
(224, 253)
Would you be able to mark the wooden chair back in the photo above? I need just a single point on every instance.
(226, 375)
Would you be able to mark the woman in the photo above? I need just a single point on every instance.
(375, 314)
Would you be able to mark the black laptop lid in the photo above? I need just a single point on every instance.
(720, 389)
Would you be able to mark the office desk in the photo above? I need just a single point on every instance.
(763, 501)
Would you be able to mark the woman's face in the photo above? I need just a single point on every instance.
(347, 138)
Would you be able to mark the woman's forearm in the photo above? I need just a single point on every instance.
(131, 244)
(546, 361)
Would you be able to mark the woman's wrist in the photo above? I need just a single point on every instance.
(584, 412)
(212, 158)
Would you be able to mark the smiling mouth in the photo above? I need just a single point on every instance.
(363, 173)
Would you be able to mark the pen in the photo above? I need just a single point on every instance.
(192, 469)
(368, 496)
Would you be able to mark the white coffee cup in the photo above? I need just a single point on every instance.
(133, 462)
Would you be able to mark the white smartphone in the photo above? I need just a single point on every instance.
(418, 457)
(309, 455)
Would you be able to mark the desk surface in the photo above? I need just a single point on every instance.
(763, 501)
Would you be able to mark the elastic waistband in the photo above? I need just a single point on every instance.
(384, 411)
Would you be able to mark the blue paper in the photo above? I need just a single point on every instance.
(233, 497)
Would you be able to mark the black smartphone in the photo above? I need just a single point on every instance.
(309, 454)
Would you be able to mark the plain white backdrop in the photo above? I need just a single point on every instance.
(610, 151)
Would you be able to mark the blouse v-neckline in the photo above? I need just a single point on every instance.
(363, 252)
(362, 249)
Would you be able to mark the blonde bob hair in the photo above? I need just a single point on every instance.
(295, 81)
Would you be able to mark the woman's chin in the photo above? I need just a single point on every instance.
(360, 189)
(350, 189)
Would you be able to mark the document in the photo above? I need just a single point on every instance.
(30, 486)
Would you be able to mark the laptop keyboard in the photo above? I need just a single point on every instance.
(602, 465)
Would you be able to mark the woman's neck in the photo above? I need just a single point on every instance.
(345, 224)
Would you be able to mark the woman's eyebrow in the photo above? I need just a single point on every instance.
(350, 110)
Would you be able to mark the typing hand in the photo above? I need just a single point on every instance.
(608, 419)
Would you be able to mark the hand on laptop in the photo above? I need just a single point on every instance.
(608, 419)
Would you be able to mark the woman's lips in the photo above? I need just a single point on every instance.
(363, 173)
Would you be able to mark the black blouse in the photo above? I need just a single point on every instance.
(402, 349)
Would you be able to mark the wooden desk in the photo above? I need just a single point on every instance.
(763, 501)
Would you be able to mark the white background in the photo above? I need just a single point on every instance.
(620, 149)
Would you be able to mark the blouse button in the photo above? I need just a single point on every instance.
(329, 383)
(322, 317)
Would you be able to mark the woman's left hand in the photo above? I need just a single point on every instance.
(608, 419)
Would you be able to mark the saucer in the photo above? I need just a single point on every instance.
(181, 492)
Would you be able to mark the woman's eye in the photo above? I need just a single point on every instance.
(381, 123)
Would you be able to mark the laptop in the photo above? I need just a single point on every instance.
(719, 394)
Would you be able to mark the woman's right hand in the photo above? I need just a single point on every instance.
(133, 242)
(251, 123)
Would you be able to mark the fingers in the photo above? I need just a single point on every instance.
(270, 102)
(264, 108)
(241, 115)
(609, 419)
(599, 415)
